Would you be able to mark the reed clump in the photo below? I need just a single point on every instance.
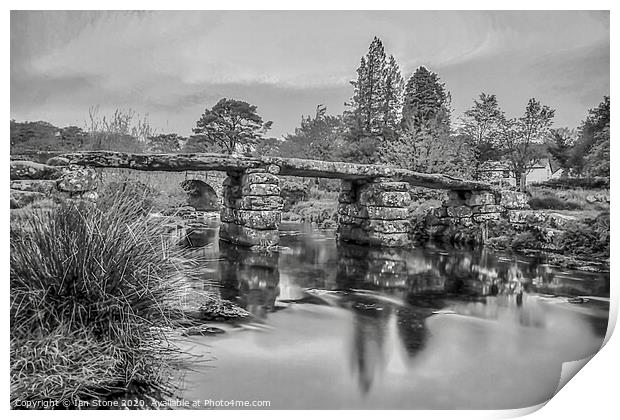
(94, 295)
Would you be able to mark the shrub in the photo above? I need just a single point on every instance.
(293, 192)
(568, 183)
(91, 290)
(323, 213)
(590, 237)
(549, 202)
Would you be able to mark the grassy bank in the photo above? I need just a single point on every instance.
(93, 292)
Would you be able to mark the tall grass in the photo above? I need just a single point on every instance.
(93, 291)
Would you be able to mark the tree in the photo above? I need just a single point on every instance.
(426, 104)
(72, 138)
(481, 125)
(393, 100)
(560, 144)
(269, 146)
(420, 151)
(591, 151)
(36, 135)
(232, 125)
(373, 113)
(522, 139)
(315, 138)
(165, 143)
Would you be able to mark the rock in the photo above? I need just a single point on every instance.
(21, 199)
(282, 166)
(260, 189)
(246, 236)
(486, 217)
(362, 236)
(480, 198)
(41, 186)
(21, 169)
(387, 213)
(459, 211)
(488, 208)
(58, 161)
(513, 200)
(591, 199)
(377, 187)
(259, 178)
(256, 219)
(353, 210)
(384, 199)
(77, 179)
(252, 202)
(387, 226)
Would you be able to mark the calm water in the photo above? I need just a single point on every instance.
(341, 326)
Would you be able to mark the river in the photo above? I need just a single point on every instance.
(342, 326)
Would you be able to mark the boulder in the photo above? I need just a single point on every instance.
(23, 169)
(76, 179)
(488, 208)
(513, 200)
(259, 178)
(258, 219)
(349, 233)
(387, 213)
(254, 202)
(21, 199)
(246, 236)
(480, 198)
(260, 189)
(41, 186)
(384, 199)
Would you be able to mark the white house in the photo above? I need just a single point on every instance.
(497, 172)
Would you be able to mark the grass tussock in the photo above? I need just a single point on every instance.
(93, 291)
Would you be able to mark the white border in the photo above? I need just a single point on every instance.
(591, 395)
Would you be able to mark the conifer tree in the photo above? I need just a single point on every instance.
(426, 104)
(374, 111)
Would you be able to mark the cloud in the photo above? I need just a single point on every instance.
(172, 64)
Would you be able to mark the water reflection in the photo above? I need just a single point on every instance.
(367, 317)
(249, 278)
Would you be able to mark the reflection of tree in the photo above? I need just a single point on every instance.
(367, 349)
(249, 278)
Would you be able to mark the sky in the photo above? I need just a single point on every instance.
(170, 66)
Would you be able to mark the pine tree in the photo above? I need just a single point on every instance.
(393, 100)
(426, 104)
(366, 105)
(373, 114)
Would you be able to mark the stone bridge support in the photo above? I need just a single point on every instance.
(252, 208)
(374, 212)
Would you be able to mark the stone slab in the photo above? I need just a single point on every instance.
(245, 236)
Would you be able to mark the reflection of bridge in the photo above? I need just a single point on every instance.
(372, 203)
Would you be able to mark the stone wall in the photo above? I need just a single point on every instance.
(465, 214)
(374, 212)
(32, 181)
(251, 209)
